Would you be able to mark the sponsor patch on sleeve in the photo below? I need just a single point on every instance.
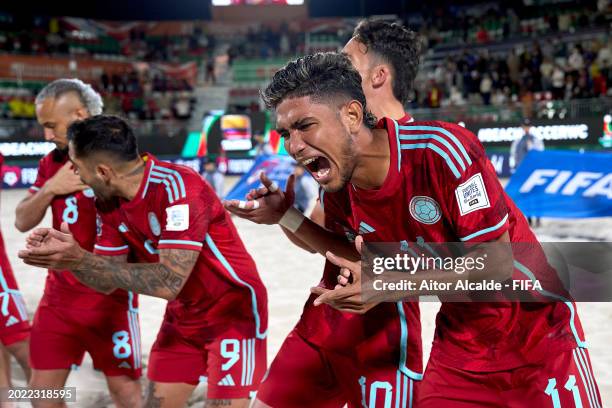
(472, 195)
(177, 217)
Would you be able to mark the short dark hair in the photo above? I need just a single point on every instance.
(103, 133)
(321, 76)
(396, 45)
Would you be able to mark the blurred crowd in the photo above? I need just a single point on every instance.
(137, 95)
(52, 36)
(552, 69)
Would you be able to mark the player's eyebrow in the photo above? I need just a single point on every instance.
(296, 124)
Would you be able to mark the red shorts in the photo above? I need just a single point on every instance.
(61, 336)
(14, 323)
(563, 381)
(233, 363)
(304, 375)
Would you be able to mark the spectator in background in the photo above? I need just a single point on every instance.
(519, 149)
(214, 177)
(486, 86)
(210, 71)
(306, 189)
(558, 82)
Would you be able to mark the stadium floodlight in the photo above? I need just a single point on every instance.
(221, 2)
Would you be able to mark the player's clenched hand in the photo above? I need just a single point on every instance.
(52, 249)
(65, 181)
(346, 296)
(265, 205)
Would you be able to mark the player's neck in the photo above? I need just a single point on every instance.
(129, 181)
(373, 159)
(389, 108)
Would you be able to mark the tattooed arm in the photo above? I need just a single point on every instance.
(49, 248)
(164, 279)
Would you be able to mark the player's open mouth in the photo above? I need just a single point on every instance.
(318, 166)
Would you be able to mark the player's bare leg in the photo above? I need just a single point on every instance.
(21, 351)
(48, 379)
(5, 368)
(167, 395)
(125, 391)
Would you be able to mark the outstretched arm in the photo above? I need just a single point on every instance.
(49, 248)
(274, 206)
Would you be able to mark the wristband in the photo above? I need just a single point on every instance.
(292, 219)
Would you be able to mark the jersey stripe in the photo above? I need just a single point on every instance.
(403, 345)
(436, 149)
(522, 268)
(178, 177)
(180, 242)
(111, 249)
(583, 378)
(486, 230)
(144, 191)
(228, 267)
(439, 139)
(167, 184)
(397, 140)
(163, 176)
(589, 375)
(398, 391)
(444, 132)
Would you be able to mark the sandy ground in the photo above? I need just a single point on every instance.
(288, 273)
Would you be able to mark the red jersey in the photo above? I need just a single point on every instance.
(395, 327)
(176, 209)
(444, 167)
(79, 212)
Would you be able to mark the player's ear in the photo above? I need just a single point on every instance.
(81, 113)
(353, 115)
(104, 172)
(379, 75)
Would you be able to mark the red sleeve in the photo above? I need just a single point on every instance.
(472, 196)
(41, 176)
(187, 217)
(109, 241)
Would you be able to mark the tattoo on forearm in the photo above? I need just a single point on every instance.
(160, 279)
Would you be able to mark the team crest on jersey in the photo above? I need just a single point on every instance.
(154, 224)
(472, 195)
(425, 210)
(89, 193)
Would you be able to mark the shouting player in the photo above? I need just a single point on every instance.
(387, 56)
(14, 323)
(484, 354)
(71, 317)
(166, 218)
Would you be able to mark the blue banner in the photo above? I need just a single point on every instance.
(563, 184)
(277, 168)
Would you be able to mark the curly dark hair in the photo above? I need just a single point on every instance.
(400, 47)
(321, 76)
